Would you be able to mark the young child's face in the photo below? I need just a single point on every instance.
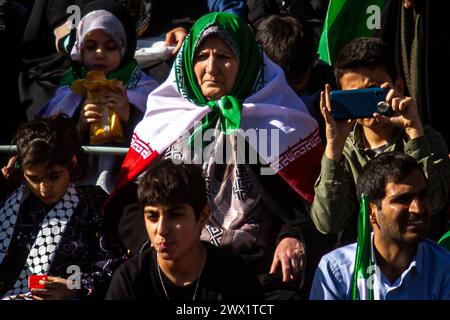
(100, 52)
(47, 183)
(173, 229)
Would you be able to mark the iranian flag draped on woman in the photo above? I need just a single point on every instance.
(246, 214)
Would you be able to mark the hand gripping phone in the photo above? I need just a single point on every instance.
(359, 103)
(33, 281)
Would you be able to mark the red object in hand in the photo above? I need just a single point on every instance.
(33, 281)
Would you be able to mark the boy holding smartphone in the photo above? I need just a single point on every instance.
(365, 63)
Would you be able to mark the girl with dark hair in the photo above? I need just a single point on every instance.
(49, 226)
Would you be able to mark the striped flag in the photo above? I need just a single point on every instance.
(276, 107)
(345, 21)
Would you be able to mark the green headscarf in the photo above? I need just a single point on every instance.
(249, 78)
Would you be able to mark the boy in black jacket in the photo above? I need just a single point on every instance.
(179, 266)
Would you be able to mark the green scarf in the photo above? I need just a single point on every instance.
(242, 41)
(129, 74)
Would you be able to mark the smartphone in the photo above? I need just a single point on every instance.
(359, 103)
(33, 281)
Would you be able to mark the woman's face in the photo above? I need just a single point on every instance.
(215, 67)
(100, 52)
(48, 183)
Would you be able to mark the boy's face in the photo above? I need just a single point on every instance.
(47, 183)
(363, 78)
(173, 229)
(100, 52)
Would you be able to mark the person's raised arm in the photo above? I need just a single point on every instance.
(334, 198)
(336, 131)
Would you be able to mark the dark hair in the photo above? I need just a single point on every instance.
(50, 141)
(385, 168)
(289, 43)
(173, 184)
(367, 53)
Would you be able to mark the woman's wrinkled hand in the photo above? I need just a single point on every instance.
(290, 252)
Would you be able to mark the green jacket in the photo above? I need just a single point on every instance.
(336, 203)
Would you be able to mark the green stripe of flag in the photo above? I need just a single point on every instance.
(345, 20)
(363, 259)
(445, 240)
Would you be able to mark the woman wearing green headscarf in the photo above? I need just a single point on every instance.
(221, 89)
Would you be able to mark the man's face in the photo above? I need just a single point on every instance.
(363, 78)
(173, 229)
(405, 210)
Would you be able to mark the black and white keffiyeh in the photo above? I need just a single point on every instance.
(47, 240)
(141, 11)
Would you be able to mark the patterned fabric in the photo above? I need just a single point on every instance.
(61, 242)
(238, 214)
(141, 11)
(240, 217)
(242, 184)
(8, 218)
(47, 240)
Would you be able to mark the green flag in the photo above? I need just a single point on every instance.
(445, 240)
(347, 20)
(361, 290)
